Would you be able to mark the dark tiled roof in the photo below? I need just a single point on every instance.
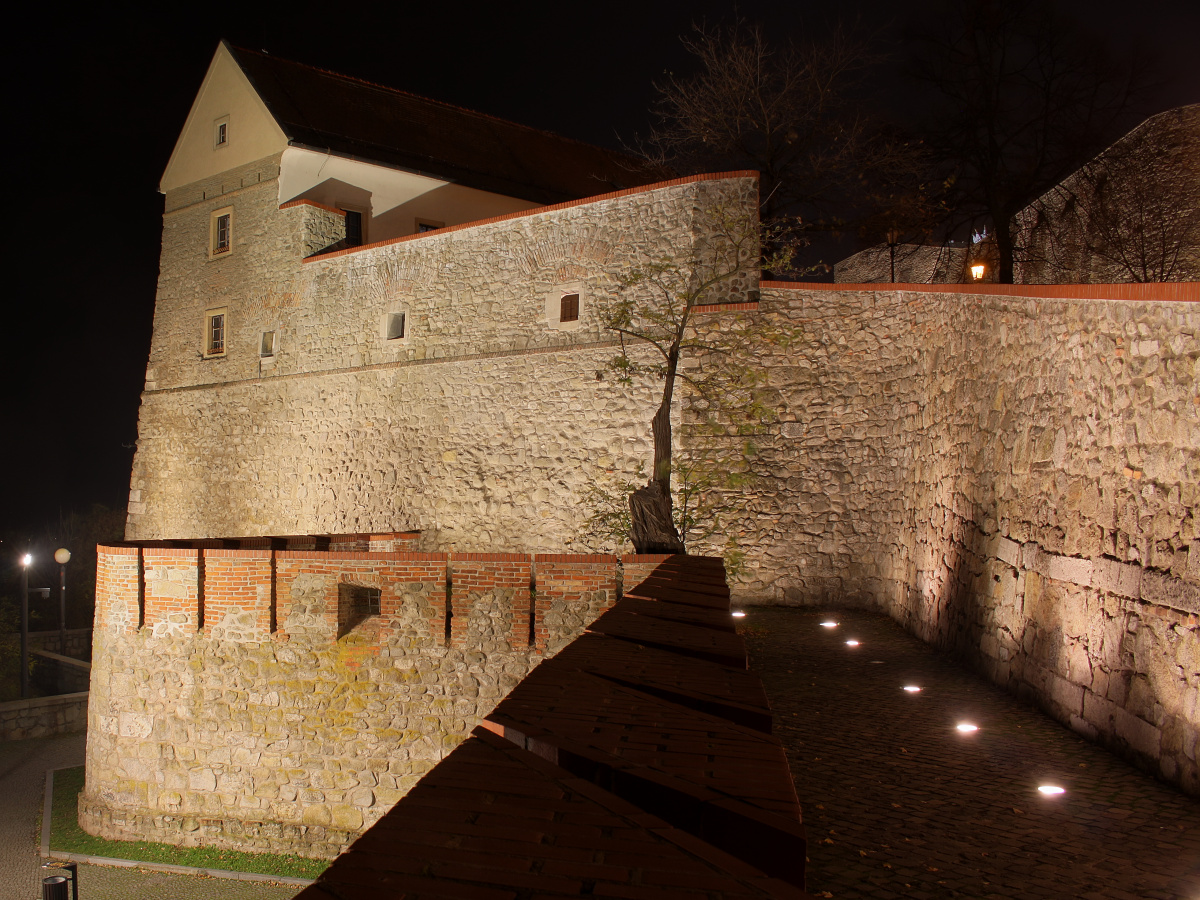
(326, 111)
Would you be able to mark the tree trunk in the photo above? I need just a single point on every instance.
(651, 521)
(650, 515)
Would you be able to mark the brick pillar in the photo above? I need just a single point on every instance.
(490, 599)
(238, 582)
(118, 589)
(573, 589)
(172, 598)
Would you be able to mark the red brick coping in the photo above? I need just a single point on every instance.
(524, 213)
(1187, 291)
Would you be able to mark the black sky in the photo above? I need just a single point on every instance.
(101, 95)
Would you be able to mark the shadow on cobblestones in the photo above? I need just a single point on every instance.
(898, 803)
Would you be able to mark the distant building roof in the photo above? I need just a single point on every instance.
(326, 111)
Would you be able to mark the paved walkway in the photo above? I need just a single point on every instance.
(897, 803)
(23, 766)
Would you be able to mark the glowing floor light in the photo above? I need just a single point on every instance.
(967, 727)
(912, 688)
(738, 614)
(851, 643)
(1051, 789)
(829, 624)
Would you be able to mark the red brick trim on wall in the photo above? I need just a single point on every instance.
(538, 210)
(1188, 291)
(332, 209)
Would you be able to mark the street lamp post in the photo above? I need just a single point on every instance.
(62, 556)
(26, 560)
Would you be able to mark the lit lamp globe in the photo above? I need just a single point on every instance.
(62, 556)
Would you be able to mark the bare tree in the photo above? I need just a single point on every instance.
(655, 308)
(786, 111)
(1130, 214)
(1025, 100)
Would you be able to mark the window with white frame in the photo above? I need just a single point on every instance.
(221, 133)
(220, 232)
(216, 330)
(565, 306)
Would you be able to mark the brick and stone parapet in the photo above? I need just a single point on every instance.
(572, 590)
(617, 769)
(490, 600)
(225, 668)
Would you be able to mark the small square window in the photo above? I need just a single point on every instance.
(569, 308)
(395, 326)
(215, 332)
(424, 225)
(267, 346)
(221, 232)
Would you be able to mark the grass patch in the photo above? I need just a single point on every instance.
(66, 836)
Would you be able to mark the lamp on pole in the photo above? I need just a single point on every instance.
(26, 561)
(893, 238)
(62, 556)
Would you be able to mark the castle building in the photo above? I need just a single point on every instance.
(378, 331)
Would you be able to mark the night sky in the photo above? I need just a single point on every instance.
(101, 96)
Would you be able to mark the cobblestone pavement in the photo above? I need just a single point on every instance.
(898, 803)
(23, 766)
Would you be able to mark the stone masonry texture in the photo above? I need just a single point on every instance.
(1012, 477)
(258, 706)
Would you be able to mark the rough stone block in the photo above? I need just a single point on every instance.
(1141, 736)
(1117, 577)
(1165, 590)
(1068, 568)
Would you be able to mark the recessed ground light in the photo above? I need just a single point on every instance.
(967, 727)
(912, 689)
(829, 624)
(1051, 789)
(851, 643)
(737, 614)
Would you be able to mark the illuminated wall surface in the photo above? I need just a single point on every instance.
(1011, 473)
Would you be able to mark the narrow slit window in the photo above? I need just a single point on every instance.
(569, 308)
(395, 326)
(267, 347)
(354, 231)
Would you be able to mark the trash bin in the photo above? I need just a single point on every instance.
(55, 887)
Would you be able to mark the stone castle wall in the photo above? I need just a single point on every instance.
(247, 698)
(1130, 214)
(486, 409)
(1013, 477)
(920, 438)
